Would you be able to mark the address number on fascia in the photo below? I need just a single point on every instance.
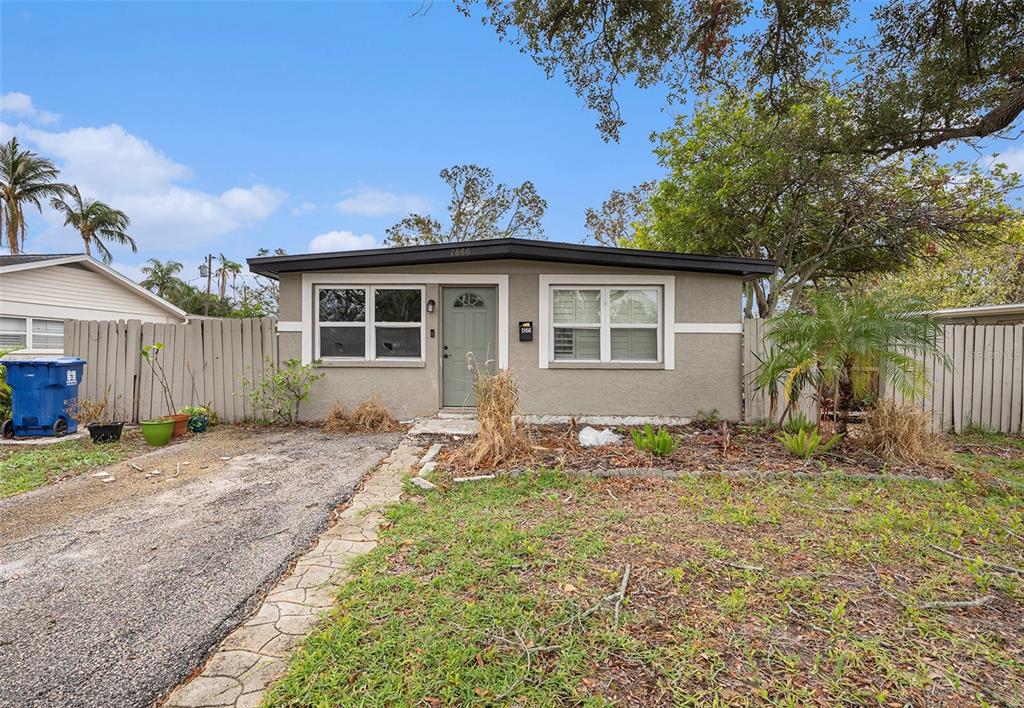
(460, 252)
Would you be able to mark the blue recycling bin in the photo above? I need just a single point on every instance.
(44, 394)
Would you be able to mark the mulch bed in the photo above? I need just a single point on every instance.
(730, 449)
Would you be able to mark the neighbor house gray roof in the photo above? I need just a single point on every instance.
(505, 249)
(32, 258)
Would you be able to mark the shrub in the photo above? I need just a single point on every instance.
(897, 433)
(805, 444)
(499, 440)
(87, 412)
(336, 420)
(798, 422)
(373, 415)
(660, 443)
(278, 394)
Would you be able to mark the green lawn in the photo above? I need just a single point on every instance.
(741, 591)
(29, 467)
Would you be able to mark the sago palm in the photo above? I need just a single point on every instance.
(161, 276)
(96, 222)
(838, 346)
(25, 178)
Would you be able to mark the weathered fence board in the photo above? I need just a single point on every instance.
(982, 385)
(204, 360)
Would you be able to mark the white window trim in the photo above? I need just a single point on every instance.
(605, 325)
(311, 280)
(666, 313)
(370, 324)
(29, 348)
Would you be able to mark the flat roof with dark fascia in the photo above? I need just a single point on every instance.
(505, 249)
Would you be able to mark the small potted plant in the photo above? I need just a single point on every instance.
(198, 418)
(159, 431)
(100, 419)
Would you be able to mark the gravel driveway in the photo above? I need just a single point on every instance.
(112, 593)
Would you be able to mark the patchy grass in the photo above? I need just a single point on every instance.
(25, 468)
(790, 592)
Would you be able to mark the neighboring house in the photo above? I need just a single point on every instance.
(587, 330)
(983, 314)
(38, 292)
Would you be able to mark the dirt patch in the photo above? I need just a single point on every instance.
(71, 499)
(724, 448)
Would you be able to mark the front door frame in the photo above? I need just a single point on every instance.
(501, 309)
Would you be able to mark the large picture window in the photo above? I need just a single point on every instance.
(606, 324)
(370, 323)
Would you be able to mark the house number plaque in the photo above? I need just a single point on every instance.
(526, 331)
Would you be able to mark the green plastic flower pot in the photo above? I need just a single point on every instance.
(157, 432)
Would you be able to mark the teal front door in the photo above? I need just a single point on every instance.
(468, 337)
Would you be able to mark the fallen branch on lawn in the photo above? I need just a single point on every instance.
(622, 592)
(474, 478)
(955, 604)
(994, 566)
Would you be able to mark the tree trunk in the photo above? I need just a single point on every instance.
(12, 232)
(88, 250)
(844, 402)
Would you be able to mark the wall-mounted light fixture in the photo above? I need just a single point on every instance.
(431, 305)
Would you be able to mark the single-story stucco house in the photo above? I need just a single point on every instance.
(38, 292)
(587, 330)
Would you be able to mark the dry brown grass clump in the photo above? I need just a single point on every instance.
(336, 421)
(369, 416)
(898, 433)
(373, 415)
(500, 439)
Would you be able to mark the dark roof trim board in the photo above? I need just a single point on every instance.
(505, 249)
(33, 258)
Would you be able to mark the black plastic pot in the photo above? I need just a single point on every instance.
(105, 432)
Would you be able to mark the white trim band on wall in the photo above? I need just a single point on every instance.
(289, 326)
(709, 328)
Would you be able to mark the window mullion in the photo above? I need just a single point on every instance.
(606, 332)
(369, 322)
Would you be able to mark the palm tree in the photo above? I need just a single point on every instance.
(161, 276)
(25, 177)
(96, 221)
(227, 267)
(838, 346)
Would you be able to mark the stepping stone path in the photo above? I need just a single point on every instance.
(256, 654)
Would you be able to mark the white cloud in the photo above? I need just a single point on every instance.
(341, 241)
(303, 208)
(20, 105)
(108, 159)
(128, 172)
(377, 202)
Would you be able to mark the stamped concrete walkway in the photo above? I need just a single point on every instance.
(256, 654)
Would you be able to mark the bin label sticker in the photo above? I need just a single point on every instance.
(72, 377)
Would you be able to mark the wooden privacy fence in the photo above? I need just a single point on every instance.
(205, 362)
(756, 405)
(984, 384)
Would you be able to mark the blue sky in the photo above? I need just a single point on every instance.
(230, 126)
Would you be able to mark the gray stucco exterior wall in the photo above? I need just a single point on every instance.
(707, 372)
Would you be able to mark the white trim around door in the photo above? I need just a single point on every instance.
(310, 280)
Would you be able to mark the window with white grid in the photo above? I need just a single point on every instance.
(606, 324)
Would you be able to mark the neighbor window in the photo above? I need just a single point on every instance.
(606, 324)
(370, 323)
(32, 333)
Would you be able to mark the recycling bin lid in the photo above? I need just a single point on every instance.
(59, 360)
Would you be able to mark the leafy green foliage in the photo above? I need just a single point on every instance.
(5, 388)
(797, 422)
(659, 443)
(805, 443)
(282, 389)
(920, 73)
(967, 277)
(96, 221)
(479, 209)
(26, 178)
(708, 419)
(228, 300)
(838, 346)
(744, 182)
(26, 468)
